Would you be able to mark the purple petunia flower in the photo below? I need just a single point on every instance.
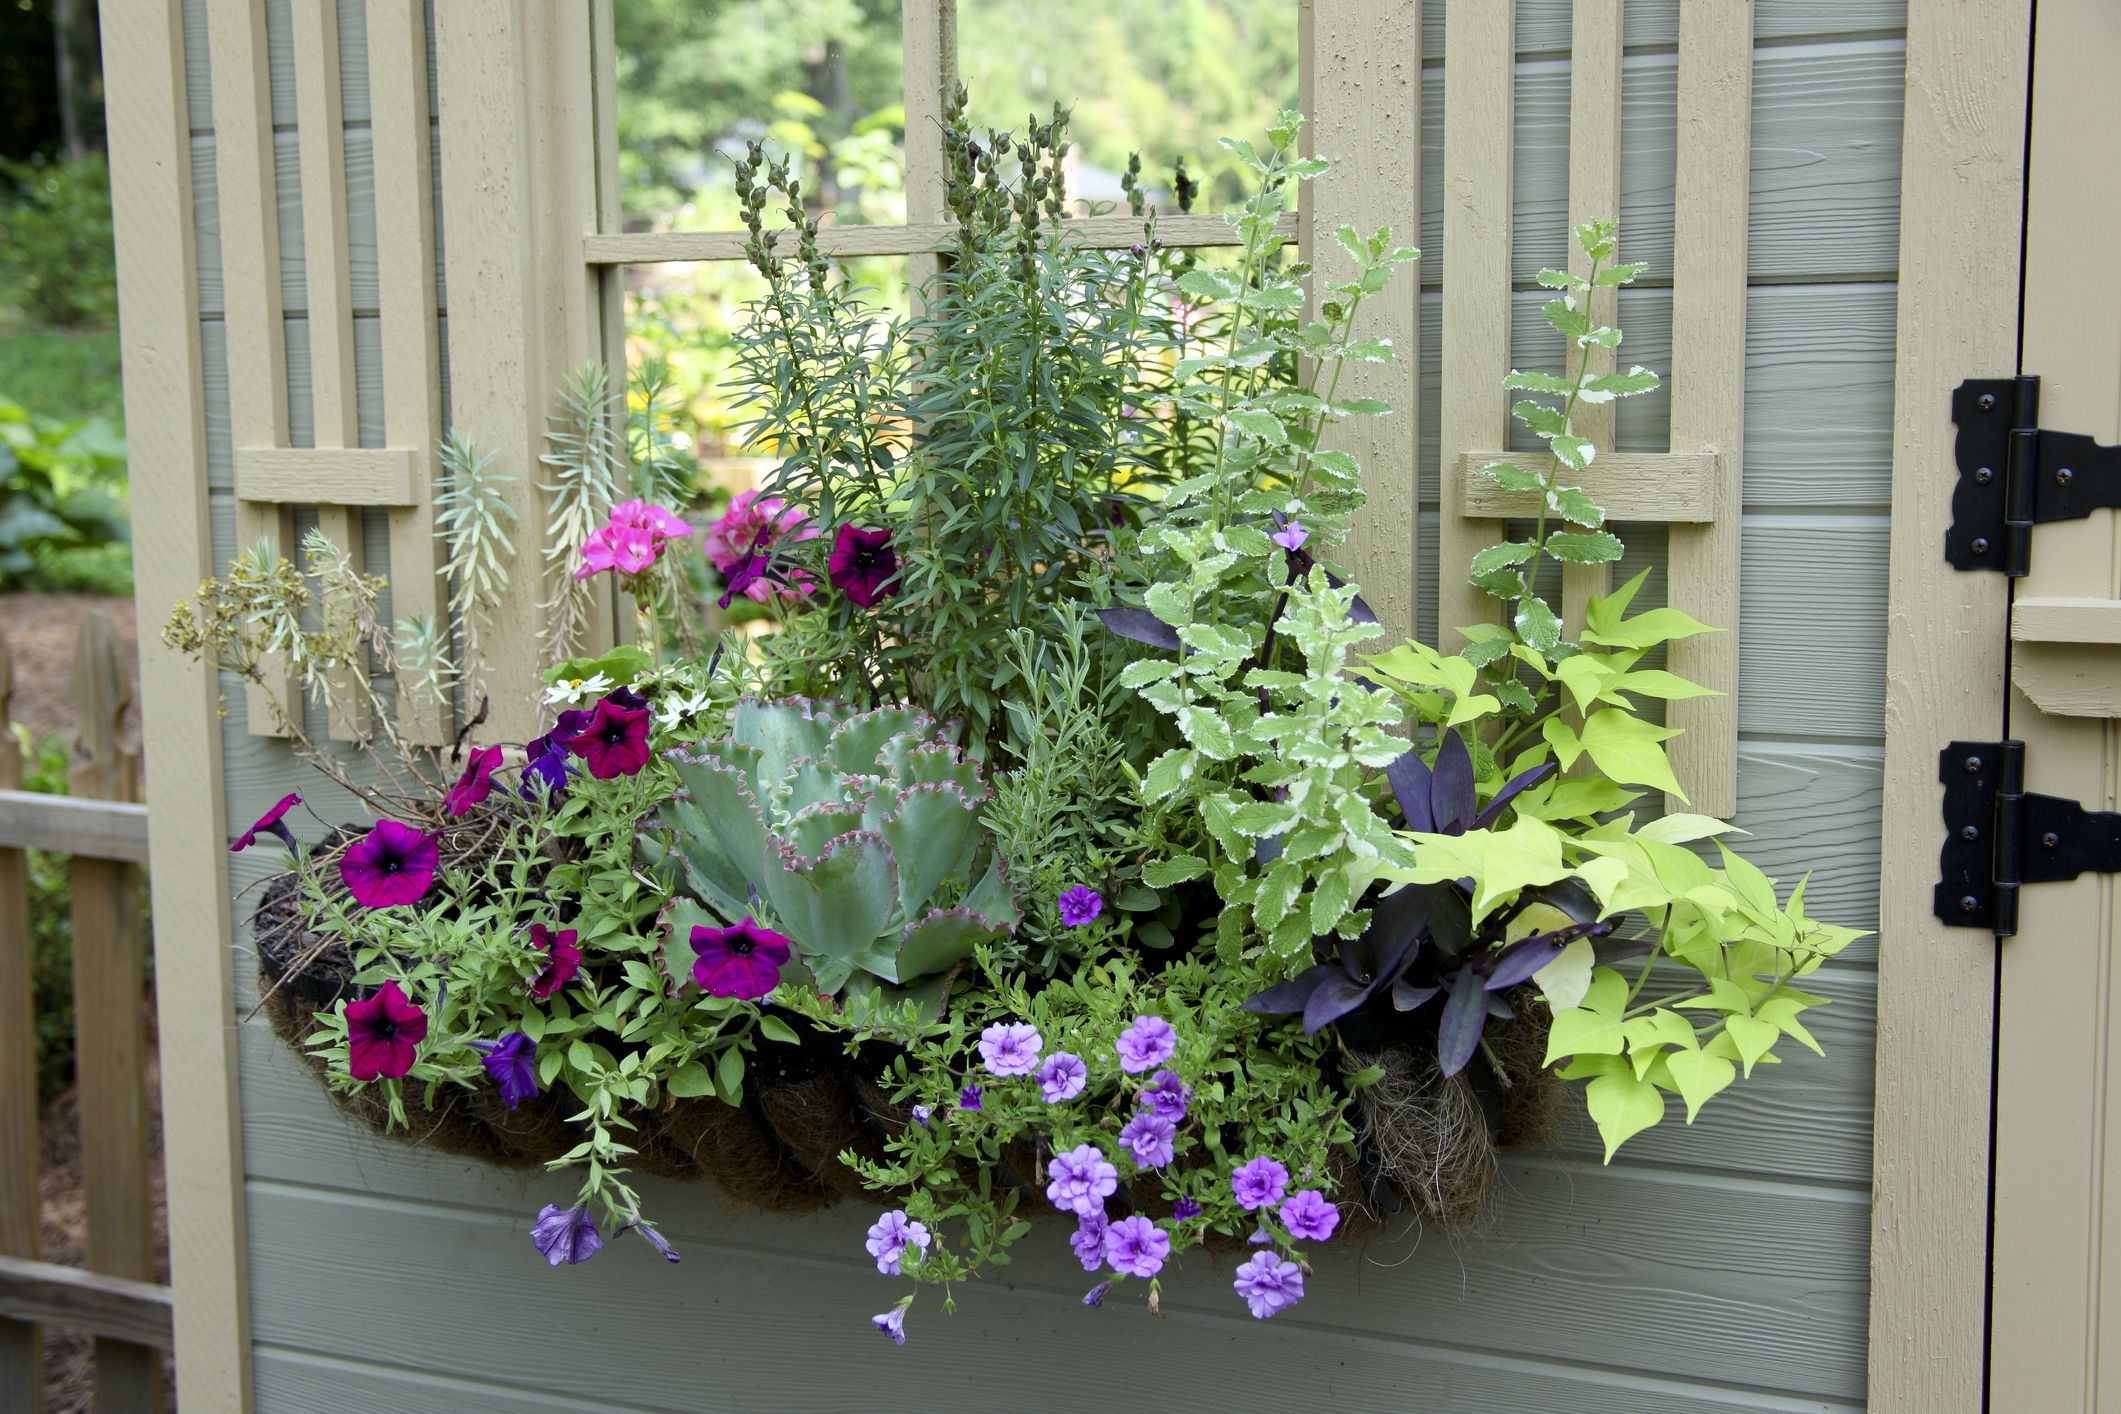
(654, 1239)
(566, 1235)
(562, 959)
(512, 1061)
(1291, 537)
(1088, 1240)
(1259, 1183)
(270, 823)
(1167, 1095)
(893, 1322)
(1080, 1180)
(383, 1034)
(1269, 1284)
(1080, 905)
(568, 724)
(615, 741)
(743, 962)
(1136, 1246)
(1062, 1077)
(390, 865)
(862, 565)
(890, 1236)
(921, 1114)
(1148, 1137)
(968, 1098)
(1145, 1045)
(1095, 1296)
(1307, 1215)
(1010, 1048)
(544, 774)
(476, 783)
(1185, 1210)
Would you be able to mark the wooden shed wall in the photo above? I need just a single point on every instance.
(1722, 1266)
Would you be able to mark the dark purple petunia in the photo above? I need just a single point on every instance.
(383, 1034)
(615, 742)
(562, 959)
(742, 962)
(566, 1235)
(390, 865)
(654, 1239)
(863, 566)
(512, 1061)
(545, 774)
(568, 723)
(269, 823)
(1185, 1210)
(476, 783)
(969, 1098)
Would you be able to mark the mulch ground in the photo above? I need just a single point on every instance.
(40, 631)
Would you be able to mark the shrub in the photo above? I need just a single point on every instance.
(58, 263)
(62, 504)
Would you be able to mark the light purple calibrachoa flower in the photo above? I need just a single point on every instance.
(1137, 1246)
(269, 823)
(1269, 1284)
(890, 1236)
(1291, 537)
(1010, 1048)
(893, 1322)
(743, 962)
(1148, 1137)
(512, 1061)
(566, 1235)
(1095, 1296)
(968, 1098)
(1080, 1180)
(1062, 1077)
(1185, 1210)
(1167, 1095)
(390, 865)
(1307, 1215)
(921, 1114)
(1080, 905)
(1259, 1183)
(1089, 1241)
(1147, 1044)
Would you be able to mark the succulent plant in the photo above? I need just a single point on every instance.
(857, 832)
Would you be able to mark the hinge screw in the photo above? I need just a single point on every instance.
(1980, 546)
(1973, 765)
(2065, 476)
(2050, 840)
(1969, 904)
(1970, 832)
(1984, 475)
(1988, 402)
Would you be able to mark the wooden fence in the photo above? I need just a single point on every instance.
(104, 831)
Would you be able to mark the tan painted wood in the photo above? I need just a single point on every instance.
(1097, 232)
(2063, 618)
(1684, 488)
(340, 476)
(95, 829)
(21, 1343)
(405, 284)
(250, 280)
(2055, 1339)
(1361, 68)
(1594, 195)
(113, 1308)
(1963, 155)
(110, 1019)
(321, 136)
(150, 156)
(1478, 126)
(928, 48)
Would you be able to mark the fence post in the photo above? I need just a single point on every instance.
(110, 1020)
(21, 1344)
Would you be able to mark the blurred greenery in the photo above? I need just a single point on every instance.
(62, 373)
(62, 504)
(58, 265)
(51, 934)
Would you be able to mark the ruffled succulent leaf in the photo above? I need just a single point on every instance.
(782, 733)
(939, 942)
(836, 905)
(933, 835)
(857, 744)
(710, 874)
(725, 811)
(993, 897)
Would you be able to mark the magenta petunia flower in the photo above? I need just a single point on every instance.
(512, 1061)
(615, 741)
(1010, 1048)
(1145, 1045)
(1167, 1095)
(1088, 1240)
(390, 865)
(1259, 1183)
(1080, 905)
(863, 566)
(1062, 1077)
(1080, 1180)
(890, 1236)
(562, 959)
(1137, 1246)
(566, 1235)
(269, 823)
(1149, 1137)
(477, 781)
(1307, 1215)
(741, 547)
(1269, 1284)
(743, 962)
(383, 1034)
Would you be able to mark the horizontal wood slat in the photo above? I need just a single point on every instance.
(87, 829)
(1098, 232)
(1679, 488)
(2059, 619)
(339, 476)
(114, 1308)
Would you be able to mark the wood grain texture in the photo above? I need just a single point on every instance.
(21, 1344)
(1543, 25)
(1097, 232)
(94, 829)
(1675, 487)
(928, 72)
(325, 270)
(2068, 680)
(134, 1313)
(2064, 618)
(1361, 67)
(342, 476)
(1945, 638)
(1594, 195)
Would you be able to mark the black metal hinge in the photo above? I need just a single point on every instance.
(1997, 837)
(2015, 474)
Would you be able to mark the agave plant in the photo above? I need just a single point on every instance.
(856, 832)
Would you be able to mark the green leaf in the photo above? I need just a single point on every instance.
(1539, 417)
(1495, 557)
(690, 1081)
(1566, 980)
(1592, 547)
(1573, 503)
(1163, 873)
(1206, 286)
(1619, 274)
(1538, 625)
(1622, 1107)
(1512, 477)
(1538, 383)
(1699, 1077)
(1258, 424)
(1628, 750)
(1573, 452)
(729, 1074)
(1753, 1037)
(1606, 387)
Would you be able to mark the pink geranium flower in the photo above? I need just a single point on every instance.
(383, 1034)
(631, 540)
(752, 523)
(390, 865)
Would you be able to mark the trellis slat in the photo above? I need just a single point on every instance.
(928, 30)
(1594, 194)
(838, 242)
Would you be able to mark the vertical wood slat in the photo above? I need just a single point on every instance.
(1962, 190)
(21, 1344)
(328, 274)
(1595, 56)
(1478, 131)
(110, 1030)
(1708, 381)
(928, 36)
(405, 278)
(250, 278)
(1360, 70)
